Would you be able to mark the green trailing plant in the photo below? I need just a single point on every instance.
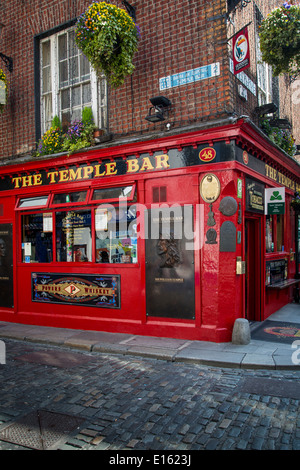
(56, 122)
(108, 37)
(281, 137)
(280, 39)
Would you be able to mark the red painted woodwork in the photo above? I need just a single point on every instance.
(221, 295)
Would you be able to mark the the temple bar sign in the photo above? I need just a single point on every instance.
(274, 201)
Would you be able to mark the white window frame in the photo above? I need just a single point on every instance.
(263, 70)
(98, 104)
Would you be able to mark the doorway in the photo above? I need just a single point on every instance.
(253, 257)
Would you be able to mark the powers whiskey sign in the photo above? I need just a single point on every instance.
(90, 290)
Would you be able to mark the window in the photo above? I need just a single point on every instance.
(114, 194)
(33, 202)
(36, 239)
(274, 233)
(267, 84)
(68, 83)
(73, 228)
(116, 234)
(73, 236)
(71, 197)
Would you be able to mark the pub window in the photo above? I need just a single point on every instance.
(37, 238)
(279, 233)
(65, 229)
(116, 234)
(114, 193)
(274, 233)
(73, 197)
(40, 201)
(269, 234)
(73, 236)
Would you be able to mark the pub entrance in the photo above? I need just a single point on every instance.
(253, 279)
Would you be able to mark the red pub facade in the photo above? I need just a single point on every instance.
(166, 237)
(170, 233)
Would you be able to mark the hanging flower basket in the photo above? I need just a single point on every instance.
(296, 203)
(108, 37)
(3, 92)
(280, 39)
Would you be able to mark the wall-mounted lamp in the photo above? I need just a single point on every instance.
(268, 108)
(7, 60)
(158, 111)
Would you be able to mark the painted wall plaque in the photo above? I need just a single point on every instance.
(228, 237)
(210, 188)
(170, 273)
(228, 206)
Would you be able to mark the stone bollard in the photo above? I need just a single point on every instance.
(241, 331)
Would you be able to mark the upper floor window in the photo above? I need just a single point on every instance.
(68, 82)
(267, 83)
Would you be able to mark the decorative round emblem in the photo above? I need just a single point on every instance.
(240, 48)
(207, 154)
(245, 157)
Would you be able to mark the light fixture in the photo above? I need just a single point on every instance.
(281, 123)
(7, 60)
(268, 108)
(159, 108)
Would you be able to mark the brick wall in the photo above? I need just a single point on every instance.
(176, 36)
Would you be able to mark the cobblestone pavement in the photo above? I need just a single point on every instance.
(133, 403)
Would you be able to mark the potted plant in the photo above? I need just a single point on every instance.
(108, 37)
(52, 140)
(80, 133)
(280, 39)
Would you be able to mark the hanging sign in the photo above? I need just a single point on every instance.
(274, 201)
(241, 52)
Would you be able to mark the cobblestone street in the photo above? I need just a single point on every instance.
(133, 403)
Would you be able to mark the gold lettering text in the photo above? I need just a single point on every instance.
(162, 161)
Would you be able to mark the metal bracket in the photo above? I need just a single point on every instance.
(8, 61)
(130, 9)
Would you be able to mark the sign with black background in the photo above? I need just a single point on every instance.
(6, 265)
(77, 289)
(255, 193)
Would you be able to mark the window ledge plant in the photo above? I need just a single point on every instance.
(79, 135)
(280, 137)
(108, 37)
(280, 39)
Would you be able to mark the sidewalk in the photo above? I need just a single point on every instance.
(257, 354)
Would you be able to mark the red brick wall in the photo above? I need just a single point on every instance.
(176, 35)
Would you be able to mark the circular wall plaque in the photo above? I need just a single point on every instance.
(228, 206)
(210, 188)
